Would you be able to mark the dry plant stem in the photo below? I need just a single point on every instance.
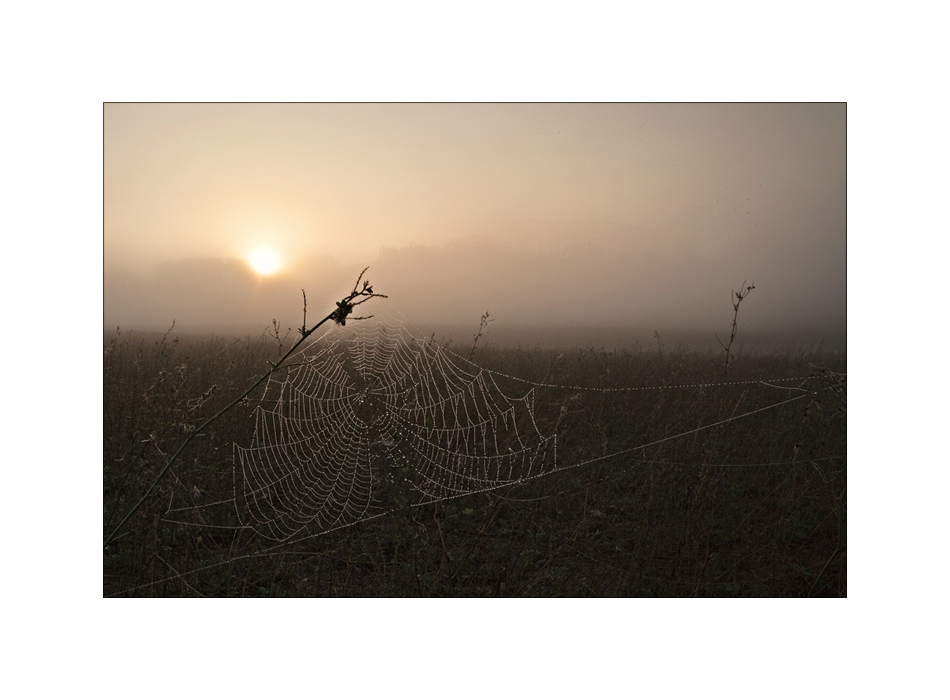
(482, 326)
(344, 308)
(739, 296)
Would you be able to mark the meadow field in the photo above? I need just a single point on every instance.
(672, 478)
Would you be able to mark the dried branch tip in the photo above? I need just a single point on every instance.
(359, 295)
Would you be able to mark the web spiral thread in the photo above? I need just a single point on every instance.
(377, 420)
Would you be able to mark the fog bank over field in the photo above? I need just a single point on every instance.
(587, 285)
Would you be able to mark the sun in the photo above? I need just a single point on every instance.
(264, 261)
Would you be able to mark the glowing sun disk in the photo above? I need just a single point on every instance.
(264, 261)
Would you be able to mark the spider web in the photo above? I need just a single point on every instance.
(372, 419)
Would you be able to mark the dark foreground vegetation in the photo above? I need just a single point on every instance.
(754, 506)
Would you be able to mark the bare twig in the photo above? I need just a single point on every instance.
(743, 292)
(482, 327)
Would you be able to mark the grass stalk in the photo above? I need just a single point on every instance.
(743, 292)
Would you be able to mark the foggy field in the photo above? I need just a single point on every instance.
(669, 479)
(390, 460)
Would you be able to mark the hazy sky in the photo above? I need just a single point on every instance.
(619, 214)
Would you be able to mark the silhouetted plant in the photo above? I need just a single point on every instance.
(743, 292)
(482, 326)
